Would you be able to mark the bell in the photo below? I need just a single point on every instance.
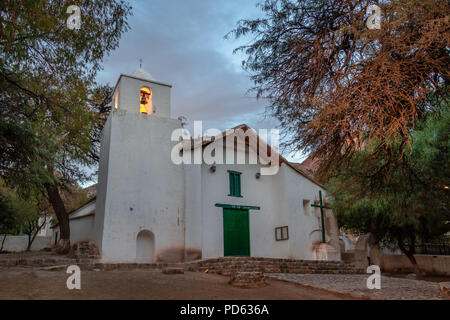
(143, 98)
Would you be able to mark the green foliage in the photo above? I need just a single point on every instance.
(7, 216)
(412, 204)
(51, 109)
(16, 213)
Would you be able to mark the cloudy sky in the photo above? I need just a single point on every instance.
(181, 42)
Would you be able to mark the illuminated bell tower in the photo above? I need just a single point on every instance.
(139, 213)
(140, 88)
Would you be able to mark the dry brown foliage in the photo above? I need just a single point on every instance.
(335, 84)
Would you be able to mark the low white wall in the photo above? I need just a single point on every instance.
(20, 243)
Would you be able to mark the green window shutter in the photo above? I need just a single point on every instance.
(235, 183)
(231, 178)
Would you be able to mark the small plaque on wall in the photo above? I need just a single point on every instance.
(281, 233)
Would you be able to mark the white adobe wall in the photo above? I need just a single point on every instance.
(82, 225)
(304, 233)
(193, 207)
(82, 229)
(103, 170)
(281, 200)
(145, 190)
(84, 210)
(263, 192)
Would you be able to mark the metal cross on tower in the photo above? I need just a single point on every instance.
(321, 206)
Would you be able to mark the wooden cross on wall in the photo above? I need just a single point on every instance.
(321, 206)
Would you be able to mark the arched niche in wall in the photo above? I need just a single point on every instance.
(145, 247)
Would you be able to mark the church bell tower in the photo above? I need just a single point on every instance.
(141, 90)
(140, 201)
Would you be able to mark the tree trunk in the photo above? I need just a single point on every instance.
(29, 234)
(29, 242)
(34, 233)
(413, 260)
(62, 216)
(3, 242)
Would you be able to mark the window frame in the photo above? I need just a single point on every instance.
(284, 233)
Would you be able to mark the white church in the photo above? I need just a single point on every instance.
(150, 209)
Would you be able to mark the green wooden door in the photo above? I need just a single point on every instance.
(236, 232)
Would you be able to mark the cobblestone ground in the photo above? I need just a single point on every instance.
(355, 285)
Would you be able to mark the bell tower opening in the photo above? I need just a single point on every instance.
(145, 97)
(116, 100)
(140, 93)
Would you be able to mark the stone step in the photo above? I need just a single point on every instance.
(219, 265)
(230, 265)
(348, 256)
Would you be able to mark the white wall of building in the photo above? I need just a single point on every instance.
(280, 198)
(100, 203)
(305, 222)
(86, 209)
(143, 194)
(82, 229)
(145, 190)
(193, 206)
(46, 230)
(82, 224)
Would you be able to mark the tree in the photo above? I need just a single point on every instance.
(48, 119)
(28, 216)
(25, 216)
(412, 206)
(352, 96)
(333, 82)
(29, 219)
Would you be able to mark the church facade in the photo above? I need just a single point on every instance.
(150, 209)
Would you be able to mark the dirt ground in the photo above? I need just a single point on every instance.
(33, 283)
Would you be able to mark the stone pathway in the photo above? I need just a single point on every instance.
(355, 285)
